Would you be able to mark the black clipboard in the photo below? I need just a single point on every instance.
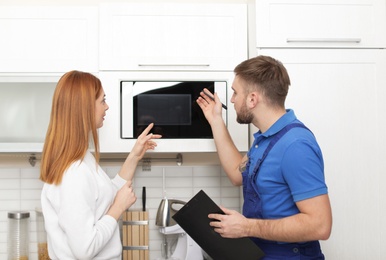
(193, 218)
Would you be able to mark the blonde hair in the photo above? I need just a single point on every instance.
(71, 124)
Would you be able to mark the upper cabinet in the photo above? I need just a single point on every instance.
(172, 36)
(321, 23)
(48, 39)
(26, 105)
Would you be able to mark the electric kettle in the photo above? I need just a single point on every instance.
(166, 209)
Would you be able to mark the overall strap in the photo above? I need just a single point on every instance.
(276, 138)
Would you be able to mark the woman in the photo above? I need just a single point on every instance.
(81, 204)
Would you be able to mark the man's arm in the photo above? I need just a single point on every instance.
(230, 157)
(314, 222)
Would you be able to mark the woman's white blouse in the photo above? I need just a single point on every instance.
(75, 213)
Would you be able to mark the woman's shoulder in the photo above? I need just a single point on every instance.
(87, 162)
(80, 169)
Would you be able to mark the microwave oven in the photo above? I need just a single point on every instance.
(168, 99)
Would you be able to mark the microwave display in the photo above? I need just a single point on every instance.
(165, 109)
(171, 106)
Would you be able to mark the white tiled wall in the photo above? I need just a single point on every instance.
(20, 190)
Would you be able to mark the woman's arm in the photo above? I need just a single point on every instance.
(144, 142)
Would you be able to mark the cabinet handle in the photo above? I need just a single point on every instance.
(338, 40)
(173, 65)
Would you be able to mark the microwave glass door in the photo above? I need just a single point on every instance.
(171, 106)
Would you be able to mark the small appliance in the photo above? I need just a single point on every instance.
(176, 244)
(167, 99)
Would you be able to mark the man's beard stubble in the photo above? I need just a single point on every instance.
(244, 116)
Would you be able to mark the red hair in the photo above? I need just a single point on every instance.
(72, 123)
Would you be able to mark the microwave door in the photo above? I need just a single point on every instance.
(129, 90)
(220, 87)
(171, 105)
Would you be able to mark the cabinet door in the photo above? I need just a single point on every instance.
(48, 39)
(172, 36)
(321, 23)
(340, 95)
(25, 102)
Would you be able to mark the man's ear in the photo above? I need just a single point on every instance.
(253, 99)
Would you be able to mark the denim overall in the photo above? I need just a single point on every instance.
(252, 208)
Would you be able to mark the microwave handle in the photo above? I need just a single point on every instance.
(127, 128)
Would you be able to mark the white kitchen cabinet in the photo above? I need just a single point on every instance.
(340, 95)
(321, 23)
(25, 102)
(48, 39)
(172, 36)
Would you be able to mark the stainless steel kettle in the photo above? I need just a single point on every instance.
(166, 209)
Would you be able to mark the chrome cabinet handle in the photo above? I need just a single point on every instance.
(173, 65)
(325, 40)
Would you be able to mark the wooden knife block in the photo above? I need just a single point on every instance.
(135, 235)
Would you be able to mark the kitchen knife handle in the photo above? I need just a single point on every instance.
(143, 198)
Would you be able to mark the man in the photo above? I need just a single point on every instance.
(286, 205)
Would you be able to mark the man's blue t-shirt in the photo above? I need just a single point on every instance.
(292, 171)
